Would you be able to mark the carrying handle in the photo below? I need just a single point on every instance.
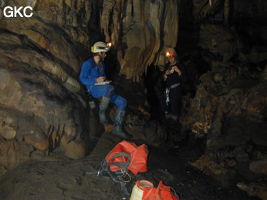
(122, 165)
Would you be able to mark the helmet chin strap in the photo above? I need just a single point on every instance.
(101, 58)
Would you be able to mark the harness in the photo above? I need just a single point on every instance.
(122, 162)
(121, 176)
(167, 91)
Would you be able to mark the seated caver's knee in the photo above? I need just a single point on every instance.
(110, 90)
(121, 103)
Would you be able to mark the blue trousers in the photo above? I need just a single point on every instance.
(98, 91)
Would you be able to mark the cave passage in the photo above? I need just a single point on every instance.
(188, 80)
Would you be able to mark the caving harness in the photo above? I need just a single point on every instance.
(167, 91)
(121, 176)
(122, 162)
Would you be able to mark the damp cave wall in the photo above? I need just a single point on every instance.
(225, 49)
(43, 106)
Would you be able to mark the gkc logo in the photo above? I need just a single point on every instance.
(15, 11)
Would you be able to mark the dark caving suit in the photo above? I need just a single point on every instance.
(172, 97)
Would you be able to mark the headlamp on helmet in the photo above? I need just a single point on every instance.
(170, 53)
(109, 44)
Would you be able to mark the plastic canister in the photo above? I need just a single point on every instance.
(139, 188)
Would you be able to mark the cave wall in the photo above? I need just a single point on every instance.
(228, 110)
(42, 104)
(141, 31)
(41, 101)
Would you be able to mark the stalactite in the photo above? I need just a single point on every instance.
(226, 12)
(137, 32)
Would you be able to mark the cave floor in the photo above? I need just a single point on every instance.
(67, 180)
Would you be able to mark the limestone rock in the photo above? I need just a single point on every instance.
(140, 30)
(41, 58)
(7, 132)
(40, 61)
(39, 143)
(141, 128)
(205, 8)
(12, 153)
(259, 166)
(254, 189)
(210, 38)
(73, 149)
(4, 78)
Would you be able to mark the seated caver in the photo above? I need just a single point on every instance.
(93, 76)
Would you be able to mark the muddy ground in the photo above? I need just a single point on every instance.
(64, 179)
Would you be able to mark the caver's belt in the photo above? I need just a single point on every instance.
(174, 85)
(167, 91)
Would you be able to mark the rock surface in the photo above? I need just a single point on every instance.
(227, 113)
(41, 100)
(141, 31)
(43, 110)
(67, 179)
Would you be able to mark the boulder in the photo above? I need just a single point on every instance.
(259, 167)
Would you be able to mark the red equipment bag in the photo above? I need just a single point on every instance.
(162, 192)
(128, 155)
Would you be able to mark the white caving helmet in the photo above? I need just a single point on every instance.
(99, 47)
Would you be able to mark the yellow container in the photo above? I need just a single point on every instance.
(139, 188)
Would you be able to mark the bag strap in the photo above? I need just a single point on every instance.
(122, 176)
(122, 165)
(175, 193)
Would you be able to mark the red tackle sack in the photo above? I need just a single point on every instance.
(162, 192)
(128, 155)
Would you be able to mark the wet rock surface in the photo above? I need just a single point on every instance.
(140, 30)
(230, 103)
(66, 179)
(42, 102)
(44, 114)
(42, 105)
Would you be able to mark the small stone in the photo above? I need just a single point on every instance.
(8, 132)
(254, 189)
(217, 77)
(242, 157)
(73, 149)
(40, 144)
(231, 163)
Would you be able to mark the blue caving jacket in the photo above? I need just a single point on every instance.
(88, 75)
(90, 72)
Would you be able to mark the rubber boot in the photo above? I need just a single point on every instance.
(102, 110)
(117, 130)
